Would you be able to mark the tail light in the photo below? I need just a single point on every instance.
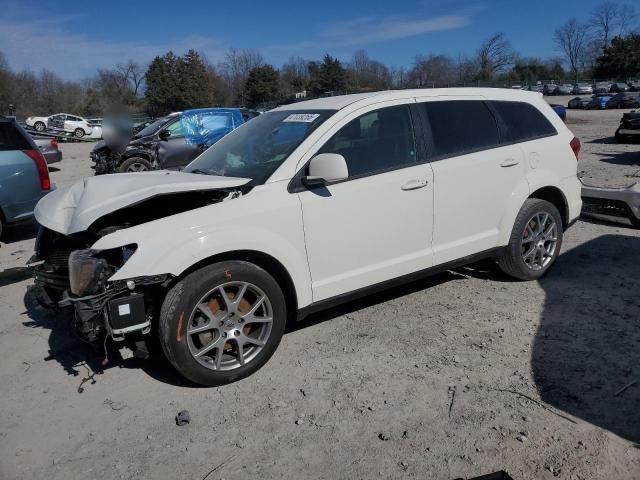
(41, 165)
(54, 143)
(575, 146)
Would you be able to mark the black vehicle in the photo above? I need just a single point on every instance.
(624, 100)
(170, 142)
(629, 129)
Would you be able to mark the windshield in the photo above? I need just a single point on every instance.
(258, 148)
(151, 128)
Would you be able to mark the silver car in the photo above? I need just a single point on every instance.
(49, 148)
(582, 89)
(24, 175)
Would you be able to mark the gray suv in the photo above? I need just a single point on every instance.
(24, 175)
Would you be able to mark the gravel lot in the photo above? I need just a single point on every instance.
(458, 375)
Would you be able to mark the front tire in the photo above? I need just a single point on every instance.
(39, 126)
(135, 164)
(535, 241)
(222, 322)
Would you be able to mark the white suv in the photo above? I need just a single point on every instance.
(301, 208)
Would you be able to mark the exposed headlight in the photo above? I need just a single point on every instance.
(84, 271)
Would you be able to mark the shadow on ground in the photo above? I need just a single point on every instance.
(622, 158)
(19, 232)
(587, 349)
(84, 360)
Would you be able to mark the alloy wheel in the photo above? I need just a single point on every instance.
(539, 241)
(229, 326)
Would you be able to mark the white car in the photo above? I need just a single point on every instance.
(304, 207)
(61, 121)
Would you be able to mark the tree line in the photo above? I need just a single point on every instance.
(605, 46)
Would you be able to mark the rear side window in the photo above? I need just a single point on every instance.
(460, 126)
(523, 121)
(11, 138)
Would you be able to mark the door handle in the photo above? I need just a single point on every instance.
(414, 184)
(509, 162)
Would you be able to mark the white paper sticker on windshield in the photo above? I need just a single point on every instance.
(302, 117)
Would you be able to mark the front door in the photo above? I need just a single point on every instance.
(176, 151)
(377, 224)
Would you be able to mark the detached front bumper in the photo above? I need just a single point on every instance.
(613, 202)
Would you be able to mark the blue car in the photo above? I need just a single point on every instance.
(24, 175)
(598, 102)
(561, 111)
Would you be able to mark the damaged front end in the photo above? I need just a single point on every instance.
(68, 274)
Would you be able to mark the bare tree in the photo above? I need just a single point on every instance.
(294, 75)
(571, 38)
(368, 74)
(494, 55)
(235, 69)
(610, 19)
(604, 18)
(132, 74)
(432, 70)
(627, 19)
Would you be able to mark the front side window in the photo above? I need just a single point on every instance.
(523, 121)
(257, 148)
(460, 126)
(175, 128)
(376, 141)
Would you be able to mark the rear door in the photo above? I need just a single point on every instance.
(474, 175)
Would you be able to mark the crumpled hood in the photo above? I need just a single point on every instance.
(74, 208)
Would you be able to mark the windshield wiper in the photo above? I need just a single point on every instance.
(203, 172)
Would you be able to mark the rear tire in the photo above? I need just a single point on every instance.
(135, 164)
(79, 133)
(213, 340)
(535, 241)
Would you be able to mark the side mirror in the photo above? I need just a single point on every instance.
(164, 134)
(326, 168)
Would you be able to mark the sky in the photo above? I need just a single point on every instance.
(73, 39)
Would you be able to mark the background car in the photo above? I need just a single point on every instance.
(582, 89)
(24, 175)
(170, 142)
(602, 87)
(619, 87)
(598, 102)
(566, 89)
(549, 89)
(536, 88)
(561, 111)
(634, 87)
(70, 123)
(629, 129)
(624, 100)
(579, 102)
(49, 149)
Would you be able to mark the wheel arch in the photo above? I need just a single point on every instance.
(263, 260)
(554, 196)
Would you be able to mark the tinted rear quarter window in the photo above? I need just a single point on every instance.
(11, 138)
(460, 126)
(523, 121)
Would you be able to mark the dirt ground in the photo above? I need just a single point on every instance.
(459, 375)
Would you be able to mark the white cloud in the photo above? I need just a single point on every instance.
(48, 44)
(367, 30)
